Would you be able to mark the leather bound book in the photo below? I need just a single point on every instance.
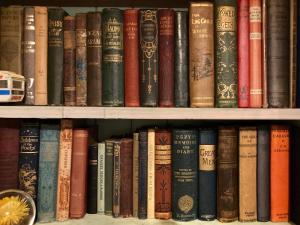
(247, 174)
(29, 157)
(148, 57)
(263, 174)
(201, 43)
(29, 54)
(181, 80)
(69, 61)
(126, 177)
(81, 59)
(264, 53)
(116, 179)
(11, 30)
(278, 53)
(48, 169)
(166, 57)
(135, 175)
(293, 52)
(226, 53)
(227, 178)
(64, 170)
(92, 179)
(243, 54)
(151, 175)
(94, 59)
(131, 58)
(101, 179)
(163, 174)
(184, 174)
(207, 174)
(41, 54)
(109, 162)
(298, 59)
(112, 61)
(55, 55)
(279, 173)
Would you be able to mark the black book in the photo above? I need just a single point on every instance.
(92, 179)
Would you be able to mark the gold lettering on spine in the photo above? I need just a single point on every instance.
(207, 157)
(226, 19)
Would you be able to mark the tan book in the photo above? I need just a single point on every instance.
(135, 175)
(293, 52)
(151, 175)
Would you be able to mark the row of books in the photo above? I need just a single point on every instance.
(223, 54)
(225, 173)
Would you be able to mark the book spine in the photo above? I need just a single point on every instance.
(55, 55)
(226, 53)
(109, 162)
(101, 179)
(48, 169)
(151, 175)
(227, 178)
(264, 53)
(293, 52)
(243, 54)
(116, 179)
(113, 62)
(247, 174)
(148, 57)
(184, 174)
(298, 59)
(181, 93)
(81, 59)
(163, 174)
(201, 35)
(92, 179)
(278, 53)
(29, 54)
(131, 58)
(64, 170)
(207, 174)
(135, 175)
(279, 173)
(94, 59)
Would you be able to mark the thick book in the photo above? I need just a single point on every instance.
(207, 174)
(94, 58)
(201, 49)
(184, 174)
(131, 58)
(135, 175)
(166, 57)
(181, 80)
(101, 179)
(151, 175)
(55, 55)
(264, 53)
(148, 57)
(226, 53)
(92, 179)
(227, 178)
(116, 179)
(112, 61)
(48, 169)
(279, 173)
(108, 181)
(247, 174)
(293, 52)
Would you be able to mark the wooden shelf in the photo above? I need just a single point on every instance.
(58, 112)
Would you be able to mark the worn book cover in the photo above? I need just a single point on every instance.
(92, 179)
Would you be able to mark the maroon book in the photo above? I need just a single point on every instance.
(166, 57)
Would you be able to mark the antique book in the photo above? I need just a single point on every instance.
(11, 30)
(247, 174)
(263, 174)
(201, 44)
(278, 53)
(148, 57)
(116, 186)
(207, 174)
(298, 59)
(69, 61)
(264, 53)
(151, 175)
(181, 80)
(64, 170)
(41, 54)
(243, 54)
(101, 178)
(131, 58)
(94, 59)
(279, 173)
(163, 174)
(108, 183)
(112, 62)
(55, 55)
(226, 53)
(293, 52)
(81, 59)
(29, 157)
(92, 179)
(166, 57)
(135, 175)
(184, 174)
(29, 54)
(48, 169)
(227, 178)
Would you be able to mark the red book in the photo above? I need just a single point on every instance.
(131, 58)
(243, 54)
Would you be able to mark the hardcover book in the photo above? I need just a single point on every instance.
(109, 163)
(264, 53)
(116, 179)
(135, 175)
(151, 175)
(101, 179)
(92, 179)
(293, 52)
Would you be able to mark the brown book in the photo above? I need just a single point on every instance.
(151, 175)
(201, 35)
(64, 170)
(79, 173)
(163, 174)
(135, 175)
(116, 179)
(69, 61)
(293, 52)
(264, 53)
(247, 174)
